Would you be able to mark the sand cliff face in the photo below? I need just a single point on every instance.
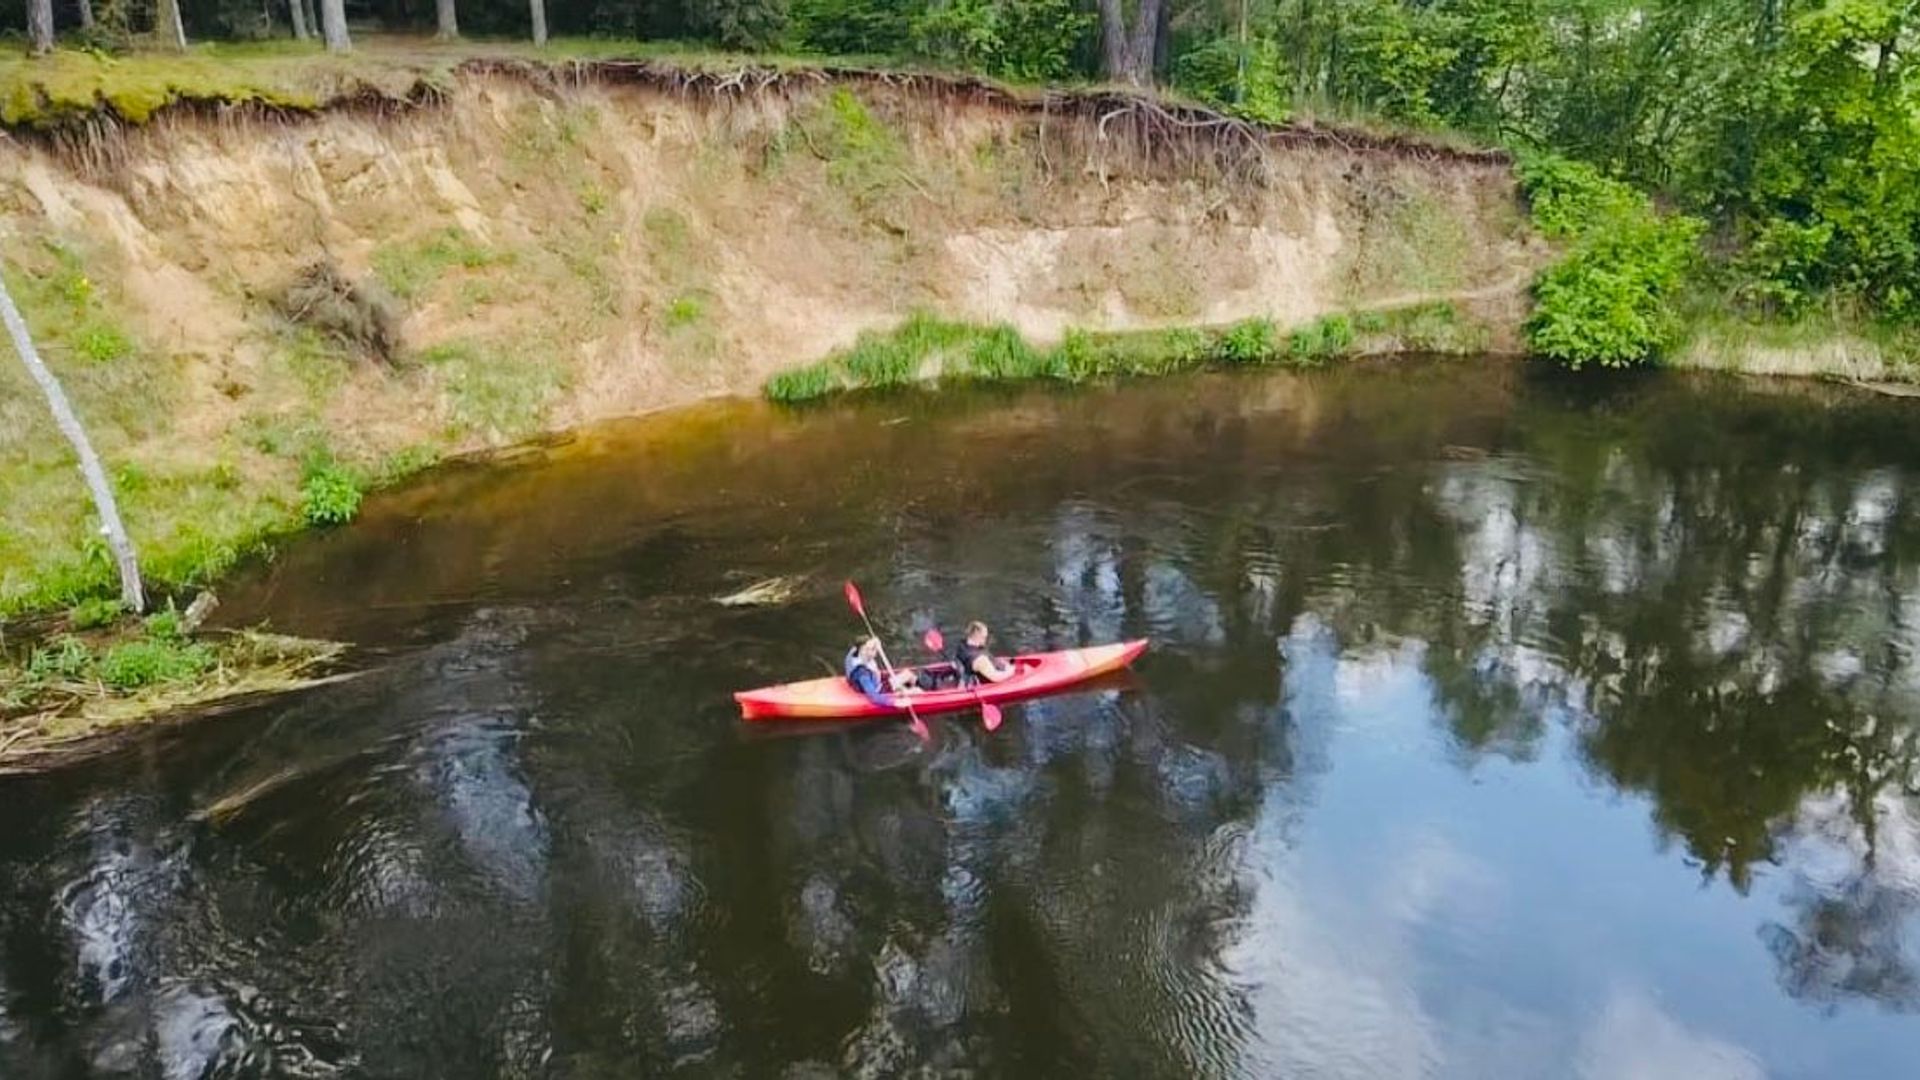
(556, 250)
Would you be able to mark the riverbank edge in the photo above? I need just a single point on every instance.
(71, 722)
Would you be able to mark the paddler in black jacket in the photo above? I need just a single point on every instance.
(974, 663)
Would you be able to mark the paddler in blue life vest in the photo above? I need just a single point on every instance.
(974, 662)
(865, 675)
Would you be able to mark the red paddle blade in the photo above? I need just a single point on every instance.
(919, 727)
(854, 601)
(990, 714)
(934, 642)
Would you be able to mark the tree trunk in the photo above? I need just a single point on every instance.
(333, 24)
(539, 8)
(313, 17)
(131, 591)
(298, 13)
(449, 20)
(166, 24)
(1128, 53)
(86, 14)
(40, 27)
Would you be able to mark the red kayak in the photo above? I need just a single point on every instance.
(1040, 673)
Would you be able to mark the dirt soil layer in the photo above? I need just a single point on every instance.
(239, 296)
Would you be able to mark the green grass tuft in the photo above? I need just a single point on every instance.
(409, 270)
(329, 495)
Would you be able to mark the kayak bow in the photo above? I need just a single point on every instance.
(1034, 675)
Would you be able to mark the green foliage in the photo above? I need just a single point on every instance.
(132, 665)
(1320, 341)
(924, 347)
(1249, 342)
(999, 352)
(850, 27)
(739, 24)
(803, 383)
(103, 343)
(94, 612)
(496, 391)
(329, 495)
(65, 659)
(408, 270)
(1027, 40)
(1245, 81)
(685, 311)
(159, 655)
(1611, 300)
(1568, 197)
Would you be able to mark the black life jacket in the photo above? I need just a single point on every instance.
(964, 655)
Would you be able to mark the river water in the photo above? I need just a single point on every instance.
(1496, 724)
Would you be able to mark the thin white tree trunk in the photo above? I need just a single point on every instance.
(86, 14)
(333, 23)
(298, 12)
(449, 20)
(166, 24)
(40, 27)
(539, 8)
(131, 591)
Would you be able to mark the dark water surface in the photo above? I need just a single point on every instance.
(1496, 726)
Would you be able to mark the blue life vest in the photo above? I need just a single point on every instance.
(864, 678)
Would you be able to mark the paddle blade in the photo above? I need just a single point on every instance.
(934, 642)
(990, 714)
(854, 601)
(919, 728)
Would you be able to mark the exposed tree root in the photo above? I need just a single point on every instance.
(1126, 129)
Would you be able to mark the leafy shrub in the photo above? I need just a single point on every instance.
(1610, 301)
(853, 26)
(329, 495)
(1248, 342)
(1029, 40)
(1786, 265)
(1567, 198)
(740, 24)
(1242, 82)
(166, 626)
(103, 343)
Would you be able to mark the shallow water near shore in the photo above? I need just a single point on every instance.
(1496, 724)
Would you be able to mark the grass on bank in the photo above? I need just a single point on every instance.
(925, 347)
(105, 671)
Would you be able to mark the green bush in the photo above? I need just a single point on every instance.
(1610, 300)
(1245, 82)
(1249, 342)
(1028, 40)
(329, 495)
